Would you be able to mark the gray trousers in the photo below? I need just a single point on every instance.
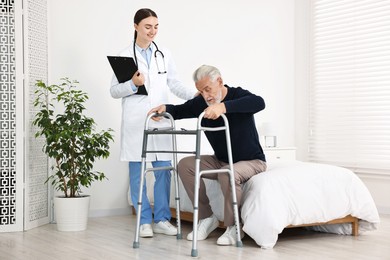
(243, 171)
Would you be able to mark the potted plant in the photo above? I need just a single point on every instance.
(73, 145)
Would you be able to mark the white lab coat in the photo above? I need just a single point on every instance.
(136, 107)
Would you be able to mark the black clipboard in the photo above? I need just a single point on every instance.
(124, 69)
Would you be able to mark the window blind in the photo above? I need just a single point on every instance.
(349, 110)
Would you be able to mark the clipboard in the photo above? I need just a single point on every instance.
(124, 69)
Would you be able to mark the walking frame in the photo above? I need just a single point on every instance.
(173, 132)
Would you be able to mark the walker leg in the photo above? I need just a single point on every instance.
(139, 205)
(177, 199)
(235, 210)
(194, 251)
(233, 187)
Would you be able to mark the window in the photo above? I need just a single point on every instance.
(349, 116)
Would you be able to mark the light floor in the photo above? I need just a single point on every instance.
(112, 238)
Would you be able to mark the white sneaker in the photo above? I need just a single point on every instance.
(205, 227)
(229, 237)
(146, 230)
(165, 227)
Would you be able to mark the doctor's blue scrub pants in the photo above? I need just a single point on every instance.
(161, 192)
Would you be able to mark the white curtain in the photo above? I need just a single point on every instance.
(349, 116)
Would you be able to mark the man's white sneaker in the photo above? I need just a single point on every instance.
(205, 227)
(146, 230)
(165, 227)
(229, 237)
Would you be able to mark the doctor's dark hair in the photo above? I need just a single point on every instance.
(206, 71)
(142, 14)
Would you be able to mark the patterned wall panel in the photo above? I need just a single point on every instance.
(7, 114)
(37, 58)
(36, 164)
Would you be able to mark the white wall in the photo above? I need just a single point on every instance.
(302, 26)
(251, 42)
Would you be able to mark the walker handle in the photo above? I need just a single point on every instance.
(201, 116)
(163, 114)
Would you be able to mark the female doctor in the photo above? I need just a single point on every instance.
(148, 88)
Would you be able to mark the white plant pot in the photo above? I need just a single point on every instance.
(71, 213)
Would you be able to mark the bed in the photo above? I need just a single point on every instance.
(293, 194)
(298, 193)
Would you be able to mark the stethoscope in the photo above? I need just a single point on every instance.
(157, 52)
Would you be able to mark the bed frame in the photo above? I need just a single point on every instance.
(188, 216)
(347, 219)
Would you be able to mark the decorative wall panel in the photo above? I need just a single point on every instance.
(37, 167)
(7, 115)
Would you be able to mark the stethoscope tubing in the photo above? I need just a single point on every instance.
(155, 56)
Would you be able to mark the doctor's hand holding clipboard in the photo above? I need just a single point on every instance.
(138, 79)
(157, 76)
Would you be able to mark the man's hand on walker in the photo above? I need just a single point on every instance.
(215, 111)
(159, 110)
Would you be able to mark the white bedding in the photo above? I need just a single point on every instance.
(302, 193)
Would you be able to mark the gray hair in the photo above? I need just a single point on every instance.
(206, 71)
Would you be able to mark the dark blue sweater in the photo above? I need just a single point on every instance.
(240, 106)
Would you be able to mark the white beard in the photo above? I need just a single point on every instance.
(217, 99)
